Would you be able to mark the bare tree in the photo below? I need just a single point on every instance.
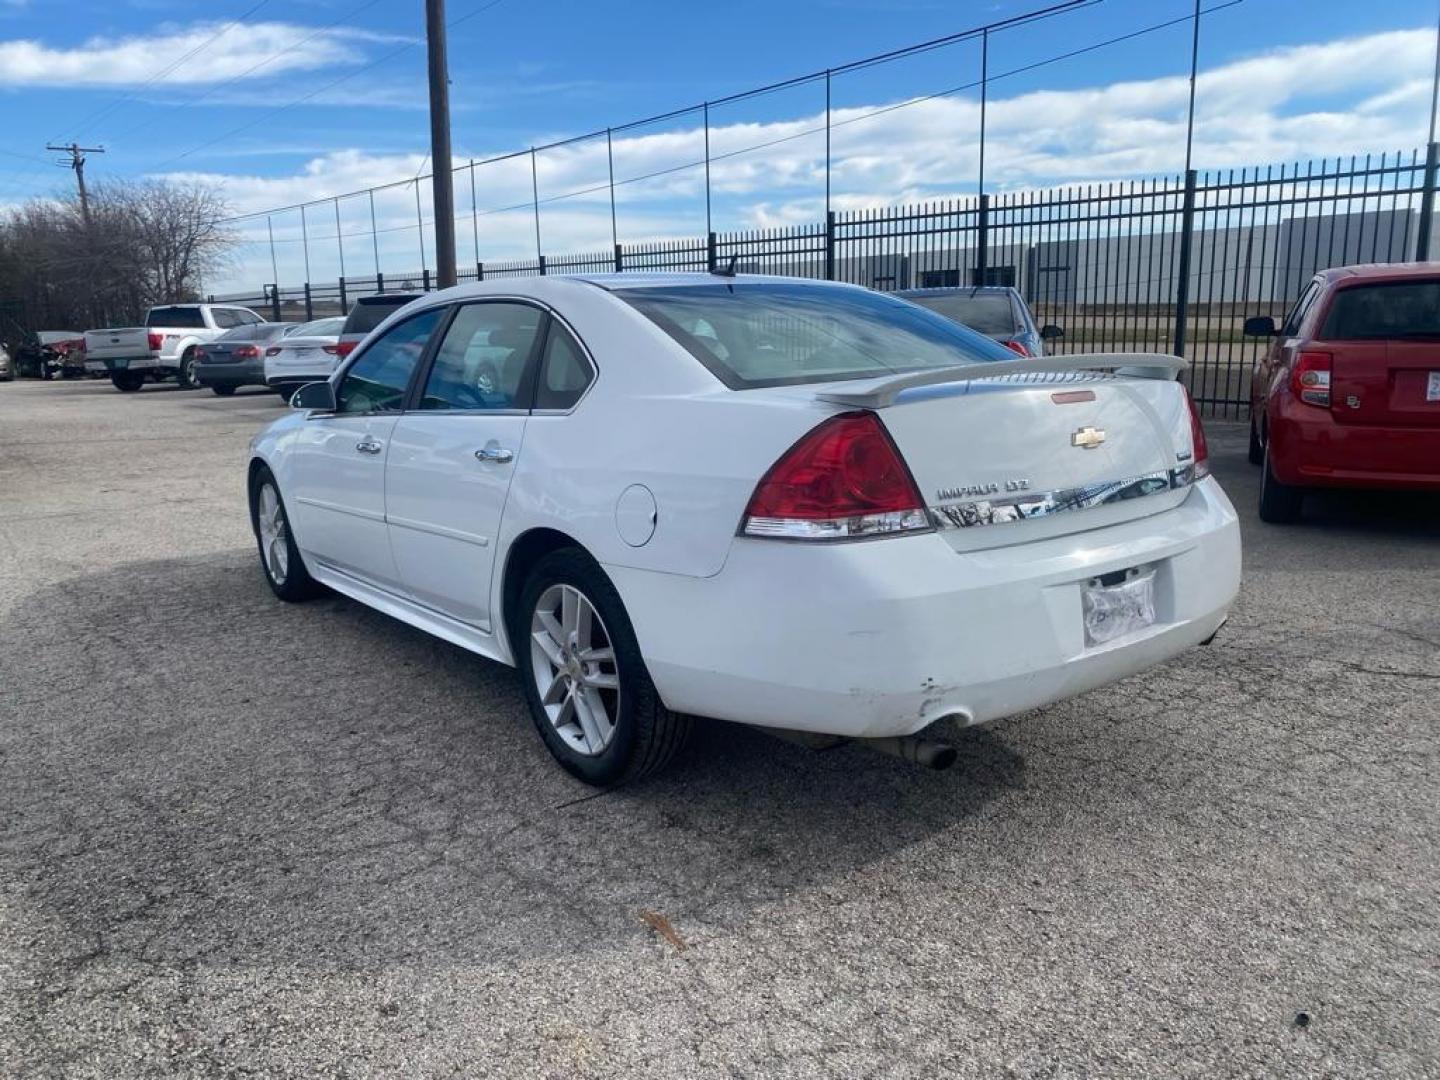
(150, 242)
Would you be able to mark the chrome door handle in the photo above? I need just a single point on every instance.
(369, 446)
(493, 451)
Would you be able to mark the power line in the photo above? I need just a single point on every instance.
(799, 80)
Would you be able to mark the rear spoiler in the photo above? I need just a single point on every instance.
(878, 393)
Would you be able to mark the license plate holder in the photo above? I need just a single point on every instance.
(1112, 611)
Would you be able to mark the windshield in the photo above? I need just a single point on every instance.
(752, 335)
(183, 318)
(1409, 309)
(988, 313)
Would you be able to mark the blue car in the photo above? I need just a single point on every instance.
(995, 311)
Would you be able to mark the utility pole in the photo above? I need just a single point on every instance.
(442, 179)
(77, 162)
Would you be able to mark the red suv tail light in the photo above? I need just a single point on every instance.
(1201, 461)
(1017, 347)
(1310, 378)
(345, 348)
(154, 341)
(845, 479)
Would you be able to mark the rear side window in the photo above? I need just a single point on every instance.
(986, 313)
(377, 380)
(185, 318)
(1300, 310)
(564, 371)
(764, 334)
(1402, 309)
(371, 312)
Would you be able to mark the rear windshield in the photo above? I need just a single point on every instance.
(752, 335)
(370, 312)
(254, 332)
(989, 313)
(1404, 309)
(186, 318)
(318, 328)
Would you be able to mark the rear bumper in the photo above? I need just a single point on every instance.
(296, 375)
(236, 373)
(1308, 448)
(885, 637)
(131, 363)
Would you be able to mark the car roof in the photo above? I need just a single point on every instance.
(1380, 272)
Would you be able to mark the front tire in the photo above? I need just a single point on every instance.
(585, 681)
(280, 559)
(1280, 504)
(186, 375)
(127, 381)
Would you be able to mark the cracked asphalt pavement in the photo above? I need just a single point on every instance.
(242, 838)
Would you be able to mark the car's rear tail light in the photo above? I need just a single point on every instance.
(845, 479)
(273, 350)
(1310, 378)
(345, 348)
(1201, 461)
(333, 350)
(154, 341)
(1017, 347)
(247, 352)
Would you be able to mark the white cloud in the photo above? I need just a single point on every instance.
(130, 61)
(1279, 106)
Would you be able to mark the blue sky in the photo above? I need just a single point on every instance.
(1287, 79)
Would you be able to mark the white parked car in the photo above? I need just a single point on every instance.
(794, 504)
(308, 353)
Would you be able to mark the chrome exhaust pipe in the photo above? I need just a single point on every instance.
(927, 753)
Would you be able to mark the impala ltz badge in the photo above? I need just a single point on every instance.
(971, 491)
(1087, 438)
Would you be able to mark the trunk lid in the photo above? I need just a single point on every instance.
(1028, 457)
(1385, 383)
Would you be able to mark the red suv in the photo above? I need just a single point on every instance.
(1348, 394)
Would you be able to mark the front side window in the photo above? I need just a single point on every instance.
(765, 334)
(482, 361)
(1408, 309)
(564, 371)
(1299, 311)
(377, 380)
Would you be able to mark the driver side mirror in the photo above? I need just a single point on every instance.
(1260, 326)
(315, 397)
(1050, 332)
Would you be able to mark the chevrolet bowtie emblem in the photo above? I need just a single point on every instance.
(1087, 438)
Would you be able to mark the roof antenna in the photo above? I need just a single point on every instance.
(729, 270)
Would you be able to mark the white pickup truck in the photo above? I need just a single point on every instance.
(164, 346)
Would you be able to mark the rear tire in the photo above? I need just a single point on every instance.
(185, 376)
(1280, 504)
(223, 389)
(1257, 448)
(127, 381)
(638, 734)
(280, 559)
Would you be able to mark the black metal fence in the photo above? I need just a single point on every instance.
(1170, 264)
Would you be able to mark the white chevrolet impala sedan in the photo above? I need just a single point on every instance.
(801, 505)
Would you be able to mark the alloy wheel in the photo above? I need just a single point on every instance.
(573, 664)
(274, 548)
